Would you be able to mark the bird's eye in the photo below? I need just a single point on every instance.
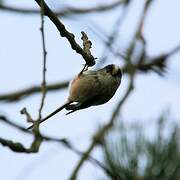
(109, 68)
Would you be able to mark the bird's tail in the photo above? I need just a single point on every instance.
(53, 113)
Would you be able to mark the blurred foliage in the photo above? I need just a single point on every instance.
(130, 154)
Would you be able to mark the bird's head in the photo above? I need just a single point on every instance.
(114, 70)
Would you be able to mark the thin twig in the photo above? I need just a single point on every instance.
(66, 12)
(28, 116)
(174, 50)
(43, 85)
(110, 43)
(156, 64)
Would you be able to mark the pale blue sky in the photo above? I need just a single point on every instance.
(21, 63)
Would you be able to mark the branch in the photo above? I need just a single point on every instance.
(89, 59)
(157, 64)
(43, 86)
(110, 42)
(69, 11)
(138, 35)
(18, 147)
(19, 95)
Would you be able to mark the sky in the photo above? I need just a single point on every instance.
(21, 64)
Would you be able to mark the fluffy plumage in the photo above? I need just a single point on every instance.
(91, 88)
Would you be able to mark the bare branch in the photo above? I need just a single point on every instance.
(110, 42)
(43, 85)
(90, 60)
(157, 64)
(18, 147)
(69, 11)
(28, 116)
(174, 51)
(19, 95)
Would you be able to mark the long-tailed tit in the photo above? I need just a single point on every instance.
(91, 88)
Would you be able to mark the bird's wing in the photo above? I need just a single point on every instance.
(82, 105)
(85, 87)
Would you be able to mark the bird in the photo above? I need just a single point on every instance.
(90, 88)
